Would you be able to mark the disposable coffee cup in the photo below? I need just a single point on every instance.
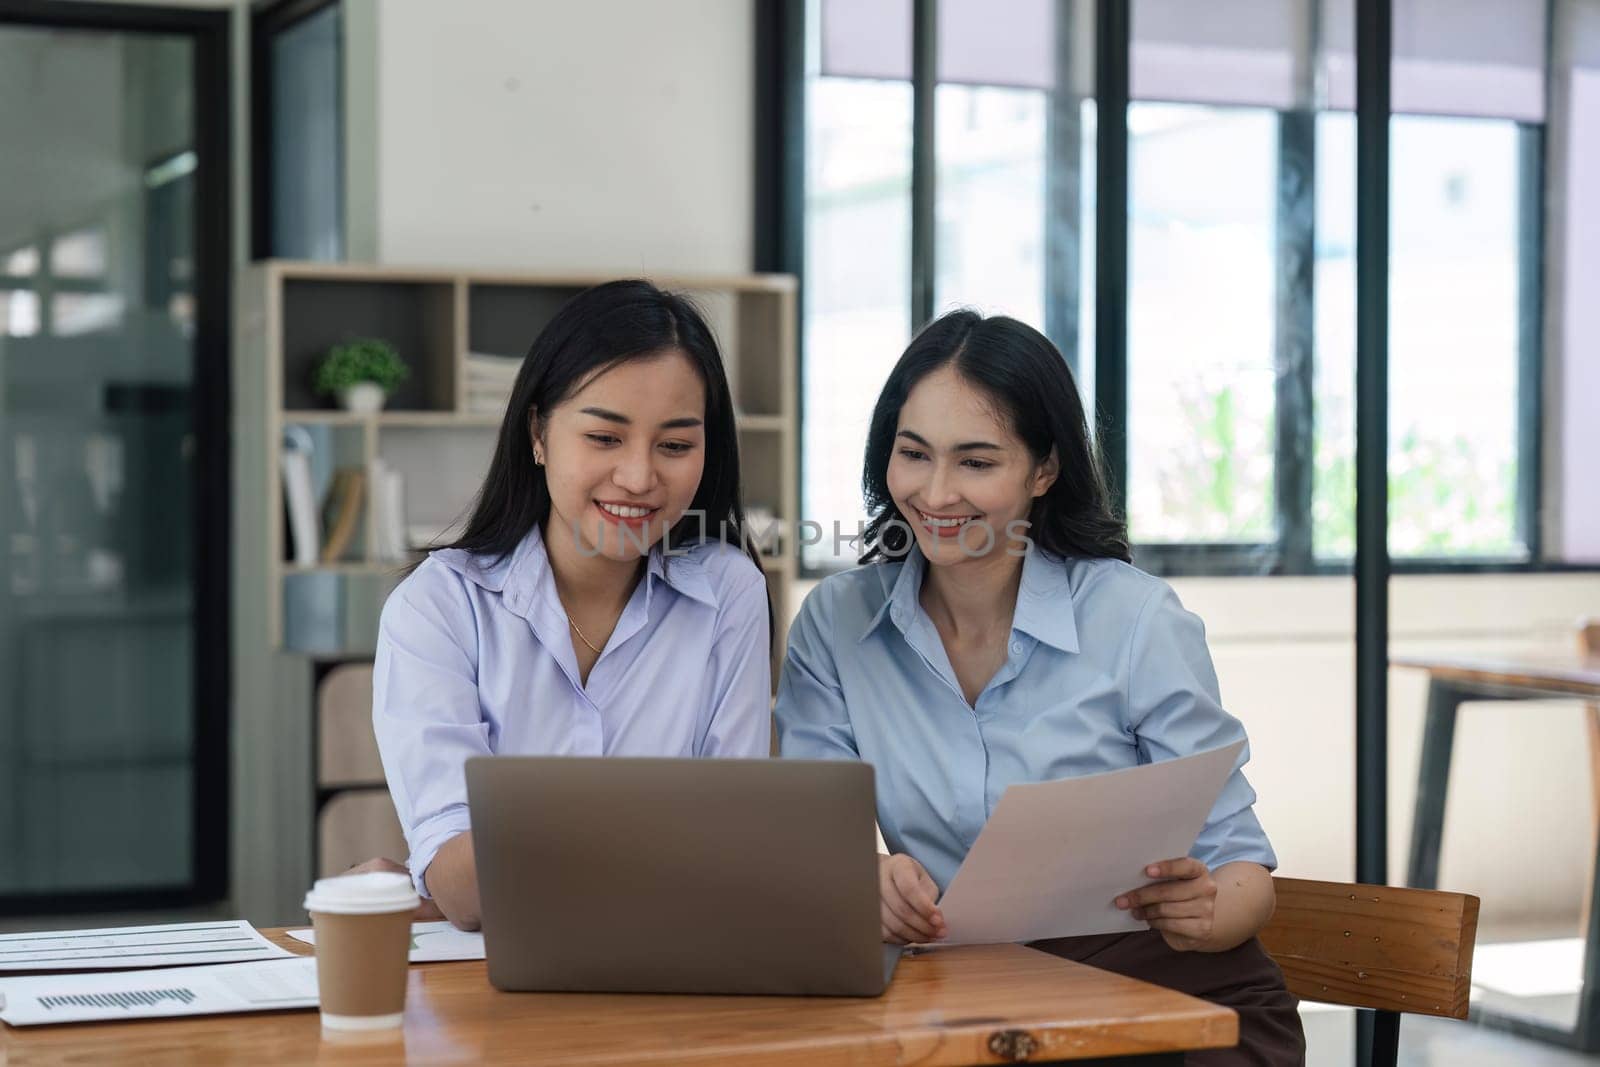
(363, 942)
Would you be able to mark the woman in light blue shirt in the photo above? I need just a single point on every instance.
(602, 599)
(998, 634)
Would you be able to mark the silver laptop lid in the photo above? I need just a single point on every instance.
(677, 875)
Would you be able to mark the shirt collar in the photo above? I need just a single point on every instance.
(686, 574)
(1045, 610)
(520, 576)
(1044, 599)
(900, 605)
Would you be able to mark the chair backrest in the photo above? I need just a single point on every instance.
(1372, 946)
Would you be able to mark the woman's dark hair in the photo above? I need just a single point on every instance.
(1031, 385)
(596, 330)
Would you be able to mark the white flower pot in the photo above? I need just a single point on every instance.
(363, 398)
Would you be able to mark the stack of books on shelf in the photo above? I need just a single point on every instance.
(388, 513)
(489, 382)
(327, 534)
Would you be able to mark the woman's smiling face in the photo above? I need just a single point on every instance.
(958, 473)
(624, 453)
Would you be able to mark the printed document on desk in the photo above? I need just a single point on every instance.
(1055, 855)
(431, 942)
(234, 987)
(167, 945)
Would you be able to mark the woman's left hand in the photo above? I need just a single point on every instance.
(1181, 903)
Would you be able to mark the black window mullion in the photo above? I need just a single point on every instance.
(924, 159)
(212, 519)
(1373, 71)
(1531, 142)
(1063, 230)
(1112, 43)
(1294, 413)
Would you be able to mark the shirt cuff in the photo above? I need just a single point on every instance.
(1256, 854)
(428, 841)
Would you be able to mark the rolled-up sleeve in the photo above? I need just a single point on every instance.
(812, 720)
(1175, 709)
(425, 709)
(739, 719)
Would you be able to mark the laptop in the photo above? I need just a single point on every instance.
(613, 874)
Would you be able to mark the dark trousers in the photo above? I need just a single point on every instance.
(1244, 979)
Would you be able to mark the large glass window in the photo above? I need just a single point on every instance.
(113, 459)
(858, 247)
(1201, 240)
(1240, 292)
(1014, 140)
(1241, 360)
(1456, 305)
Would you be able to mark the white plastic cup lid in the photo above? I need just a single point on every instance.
(371, 893)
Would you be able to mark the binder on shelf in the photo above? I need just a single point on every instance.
(298, 495)
(341, 509)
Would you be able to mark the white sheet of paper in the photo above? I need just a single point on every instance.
(273, 985)
(167, 945)
(1055, 855)
(430, 942)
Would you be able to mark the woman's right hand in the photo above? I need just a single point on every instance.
(908, 912)
(426, 912)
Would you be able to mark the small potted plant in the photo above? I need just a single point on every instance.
(361, 373)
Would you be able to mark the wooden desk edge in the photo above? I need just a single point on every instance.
(1206, 1025)
(1554, 678)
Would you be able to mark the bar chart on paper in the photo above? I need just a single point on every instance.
(274, 985)
(132, 998)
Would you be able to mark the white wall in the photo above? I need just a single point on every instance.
(609, 134)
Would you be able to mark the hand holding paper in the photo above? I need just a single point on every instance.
(1054, 856)
(1180, 902)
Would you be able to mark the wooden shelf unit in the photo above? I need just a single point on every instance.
(291, 312)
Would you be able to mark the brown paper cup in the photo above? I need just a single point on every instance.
(363, 936)
(362, 963)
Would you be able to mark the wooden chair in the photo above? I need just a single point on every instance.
(1367, 946)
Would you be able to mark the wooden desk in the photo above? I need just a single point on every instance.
(1456, 680)
(954, 1006)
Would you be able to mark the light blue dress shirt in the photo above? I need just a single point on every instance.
(1104, 670)
(475, 658)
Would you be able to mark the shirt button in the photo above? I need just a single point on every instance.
(1016, 648)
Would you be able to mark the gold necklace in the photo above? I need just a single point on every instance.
(582, 638)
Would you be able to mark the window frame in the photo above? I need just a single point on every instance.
(265, 24)
(210, 387)
(781, 33)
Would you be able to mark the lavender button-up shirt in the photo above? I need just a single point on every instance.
(475, 658)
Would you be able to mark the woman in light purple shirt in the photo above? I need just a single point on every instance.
(603, 598)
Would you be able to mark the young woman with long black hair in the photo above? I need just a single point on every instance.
(998, 634)
(603, 598)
